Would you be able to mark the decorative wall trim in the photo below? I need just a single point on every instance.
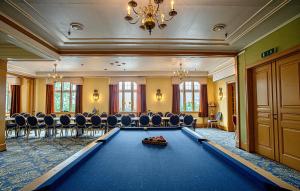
(77, 81)
(13, 80)
(225, 70)
(20, 70)
(138, 80)
(201, 80)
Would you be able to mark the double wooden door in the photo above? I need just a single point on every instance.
(276, 110)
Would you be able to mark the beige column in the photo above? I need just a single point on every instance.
(3, 71)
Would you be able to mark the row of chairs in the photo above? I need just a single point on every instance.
(81, 124)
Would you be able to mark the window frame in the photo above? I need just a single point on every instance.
(123, 91)
(61, 91)
(184, 91)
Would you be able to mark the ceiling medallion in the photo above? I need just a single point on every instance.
(181, 73)
(55, 76)
(149, 15)
(75, 27)
(219, 27)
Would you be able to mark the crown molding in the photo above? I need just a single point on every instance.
(12, 69)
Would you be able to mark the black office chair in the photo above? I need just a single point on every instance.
(21, 124)
(112, 122)
(174, 121)
(144, 121)
(96, 124)
(156, 120)
(126, 121)
(80, 124)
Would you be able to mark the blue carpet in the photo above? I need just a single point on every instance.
(226, 140)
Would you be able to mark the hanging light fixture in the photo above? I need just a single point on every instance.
(181, 73)
(55, 76)
(149, 15)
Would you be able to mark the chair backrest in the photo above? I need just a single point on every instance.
(174, 120)
(80, 120)
(104, 114)
(126, 120)
(32, 121)
(131, 115)
(85, 114)
(96, 120)
(37, 114)
(188, 119)
(166, 113)
(144, 120)
(14, 115)
(20, 120)
(118, 115)
(26, 115)
(150, 114)
(156, 120)
(160, 114)
(112, 120)
(77, 114)
(53, 114)
(49, 121)
(65, 120)
(169, 114)
(41, 115)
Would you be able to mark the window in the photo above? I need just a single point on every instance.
(189, 96)
(127, 96)
(8, 98)
(64, 97)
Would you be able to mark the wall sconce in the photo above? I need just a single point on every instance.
(96, 95)
(158, 95)
(220, 93)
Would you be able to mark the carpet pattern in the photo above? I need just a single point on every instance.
(25, 161)
(226, 140)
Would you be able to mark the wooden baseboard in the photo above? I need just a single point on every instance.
(2, 147)
(243, 146)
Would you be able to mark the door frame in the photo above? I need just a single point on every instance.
(229, 101)
(250, 147)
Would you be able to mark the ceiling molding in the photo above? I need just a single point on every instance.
(223, 66)
(260, 16)
(121, 73)
(12, 69)
(145, 53)
(21, 37)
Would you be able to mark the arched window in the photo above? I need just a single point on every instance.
(127, 97)
(189, 96)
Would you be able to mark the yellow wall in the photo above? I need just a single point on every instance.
(101, 84)
(165, 85)
(26, 95)
(222, 105)
(40, 95)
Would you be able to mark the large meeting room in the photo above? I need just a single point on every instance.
(150, 95)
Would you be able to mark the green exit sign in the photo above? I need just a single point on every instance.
(268, 52)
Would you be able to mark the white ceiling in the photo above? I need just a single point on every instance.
(160, 65)
(105, 27)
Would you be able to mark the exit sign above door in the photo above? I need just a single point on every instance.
(268, 52)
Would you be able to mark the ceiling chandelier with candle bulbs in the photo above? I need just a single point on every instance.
(181, 73)
(55, 76)
(148, 16)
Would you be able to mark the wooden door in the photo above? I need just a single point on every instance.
(288, 91)
(263, 111)
(231, 106)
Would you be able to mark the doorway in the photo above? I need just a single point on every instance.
(231, 105)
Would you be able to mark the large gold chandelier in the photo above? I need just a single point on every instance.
(181, 73)
(149, 15)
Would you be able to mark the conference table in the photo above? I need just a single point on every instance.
(120, 161)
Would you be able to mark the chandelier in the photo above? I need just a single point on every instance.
(54, 75)
(149, 15)
(181, 73)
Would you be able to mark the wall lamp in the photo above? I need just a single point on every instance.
(220, 93)
(158, 95)
(96, 95)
